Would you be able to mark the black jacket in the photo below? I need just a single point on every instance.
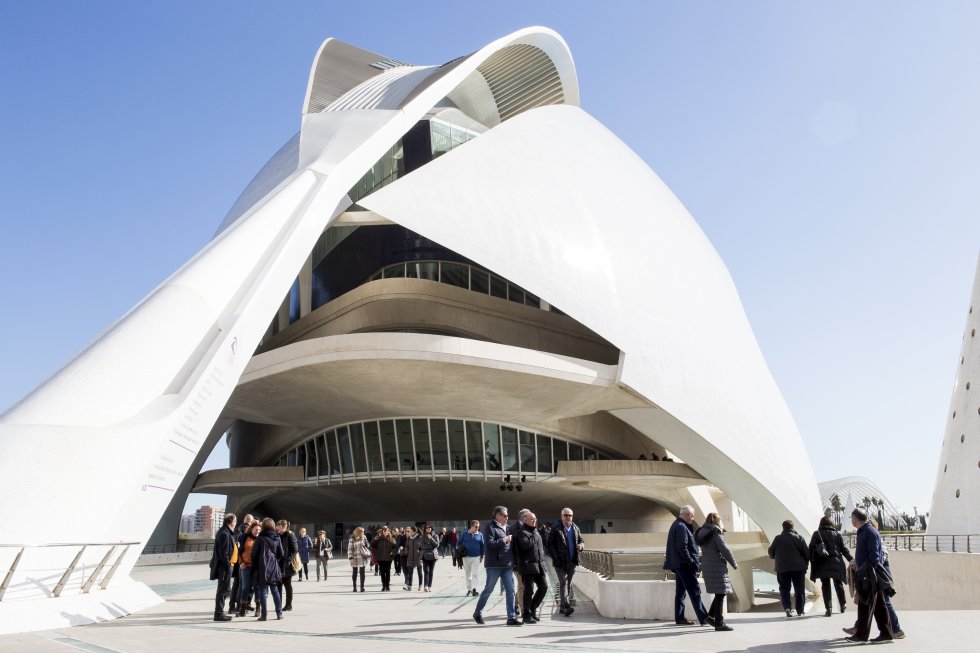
(558, 546)
(224, 548)
(790, 551)
(266, 554)
(529, 551)
(833, 566)
(290, 547)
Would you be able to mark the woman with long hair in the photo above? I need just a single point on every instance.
(715, 558)
(384, 551)
(827, 553)
(290, 548)
(266, 573)
(359, 554)
(247, 545)
(429, 544)
(411, 562)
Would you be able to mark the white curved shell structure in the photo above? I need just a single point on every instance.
(546, 196)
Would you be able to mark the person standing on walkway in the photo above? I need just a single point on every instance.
(412, 564)
(400, 539)
(682, 559)
(715, 558)
(792, 555)
(246, 545)
(322, 549)
(359, 555)
(871, 579)
(429, 545)
(305, 545)
(443, 542)
(470, 550)
(564, 544)
(290, 549)
(827, 553)
(531, 565)
(384, 552)
(224, 556)
(499, 564)
(267, 552)
(236, 576)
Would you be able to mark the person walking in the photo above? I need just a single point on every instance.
(224, 556)
(412, 563)
(246, 547)
(400, 551)
(305, 545)
(827, 553)
(384, 552)
(871, 579)
(470, 551)
(323, 550)
(792, 555)
(682, 559)
(715, 558)
(531, 565)
(499, 564)
(359, 555)
(290, 548)
(428, 546)
(443, 542)
(564, 545)
(267, 553)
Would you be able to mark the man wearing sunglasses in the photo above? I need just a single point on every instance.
(564, 545)
(499, 563)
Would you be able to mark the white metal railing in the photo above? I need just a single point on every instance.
(923, 542)
(65, 572)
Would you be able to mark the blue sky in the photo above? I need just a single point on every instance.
(829, 151)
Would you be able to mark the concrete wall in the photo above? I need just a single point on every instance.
(631, 599)
(935, 581)
(173, 558)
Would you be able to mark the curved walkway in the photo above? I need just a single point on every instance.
(328, 616)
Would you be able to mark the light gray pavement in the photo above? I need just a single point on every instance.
(328, 616)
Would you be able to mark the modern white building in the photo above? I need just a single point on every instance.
(954, 510)
(451, 279)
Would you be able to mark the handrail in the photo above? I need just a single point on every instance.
(180, 547)
(65, 576)
(923, 542)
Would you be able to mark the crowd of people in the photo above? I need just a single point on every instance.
(258, 558)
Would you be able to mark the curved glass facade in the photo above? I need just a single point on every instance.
(430, 448)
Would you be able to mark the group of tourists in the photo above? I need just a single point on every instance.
(260, 557)
(257, 558)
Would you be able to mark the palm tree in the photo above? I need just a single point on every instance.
(838, 507)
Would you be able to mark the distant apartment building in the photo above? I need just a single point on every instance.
(187, 524)
(208, 519)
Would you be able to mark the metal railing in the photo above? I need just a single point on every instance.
(179, 547)
(601, 562)
(924, 542)
(87, 583)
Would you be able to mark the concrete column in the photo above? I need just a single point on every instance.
(306, 287)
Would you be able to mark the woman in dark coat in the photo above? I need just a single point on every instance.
(429, 545)
(715, 558)
(266, 573)
(830, 567)
(384, 552)
(289, 549)
(411, 561)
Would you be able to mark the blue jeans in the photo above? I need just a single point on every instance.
(785, 578)
(246, 585)
(892, 616)
(262, 592)
(685, 582)
(506, 576)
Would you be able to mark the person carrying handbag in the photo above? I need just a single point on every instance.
(358, 553)
(323, 549)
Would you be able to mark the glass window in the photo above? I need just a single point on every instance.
(532, 300)
(310, 460)
(423, 270)
(291, 458)
(515, 294)
(479, 281)
(301, 456)
(559, 452)
(441, 141)
(357, 446)
(388, 444)
(457, 445)
(395, 271)
(332, 452)
(498, 287)
(294, 301)
(440, 445)
(373, 447)
(455, 274)
(590, 454)
(526, 442)
(423, 454)
(346, 459)
(509, 436)
(544, 454)
(457, 136)
(474, 446)
(575, 452)
(406, 452)
(491, 446)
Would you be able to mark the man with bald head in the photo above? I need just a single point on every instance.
(683, 559)
(564, 544)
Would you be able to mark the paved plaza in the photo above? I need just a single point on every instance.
(328, 616)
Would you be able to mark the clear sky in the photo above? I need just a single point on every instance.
(830, 151)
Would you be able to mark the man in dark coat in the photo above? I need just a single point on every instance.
(792, 555)
(236, 574)
(564, 544)
(223, 558)
(869, 558)
(684, 561)
(530, 564)
(499, 564)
